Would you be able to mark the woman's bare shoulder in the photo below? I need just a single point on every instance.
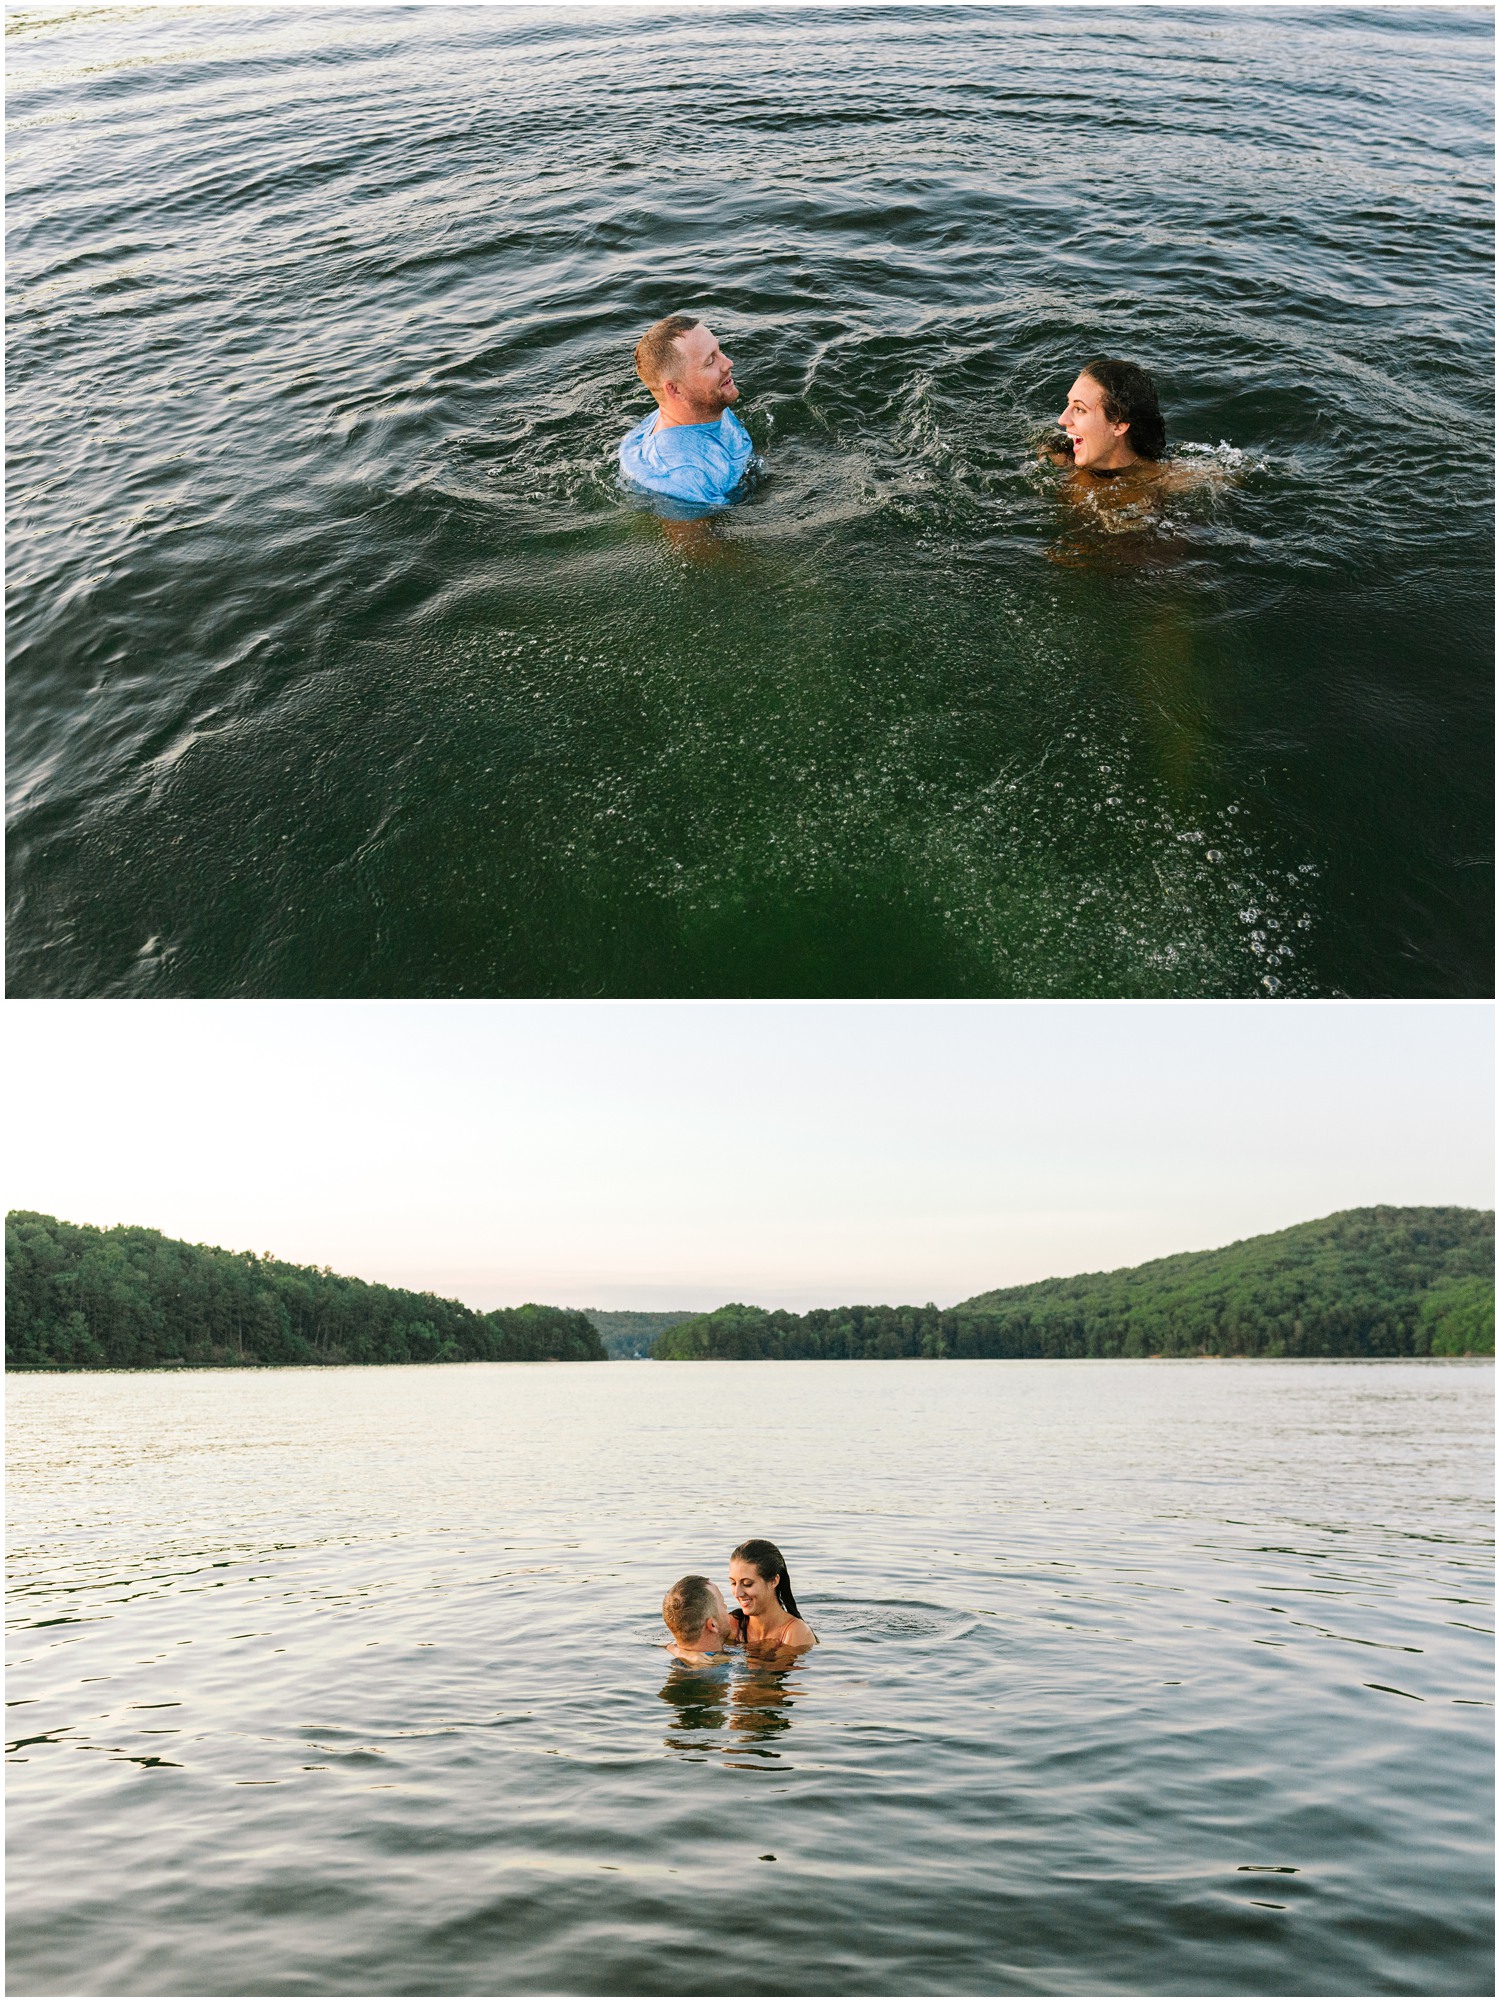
(1183, 474)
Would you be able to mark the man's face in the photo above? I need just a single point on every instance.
(1094, 438)
(720, 1611)
(703, 373)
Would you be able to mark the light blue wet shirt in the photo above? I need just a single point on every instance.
(703, 463)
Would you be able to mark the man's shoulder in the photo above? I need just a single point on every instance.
(690, 444)
(732, 439)
(697, 463)
(637, 433)
(704, 441)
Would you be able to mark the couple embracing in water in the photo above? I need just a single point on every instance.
(765, 1616)
(692, 448)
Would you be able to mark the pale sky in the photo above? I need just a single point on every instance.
(657, 1154)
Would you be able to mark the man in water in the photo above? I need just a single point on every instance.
(697, 1619)
(693, 448)
(1112, 422)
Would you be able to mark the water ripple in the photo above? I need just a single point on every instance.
(320, 333)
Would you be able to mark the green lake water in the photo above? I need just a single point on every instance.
(340, 664)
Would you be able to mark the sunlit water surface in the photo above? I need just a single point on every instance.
(341, 664)
(1152, 1677)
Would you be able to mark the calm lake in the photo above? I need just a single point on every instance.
(1161, 1677)
(340, 663)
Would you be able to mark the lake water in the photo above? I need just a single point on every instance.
(341, 665)
(1135, 1677)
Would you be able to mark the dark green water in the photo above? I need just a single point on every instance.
(340, 664)
(1152, 1678)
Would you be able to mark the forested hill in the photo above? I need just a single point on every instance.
(81, 1298)
(1375, 1282)
(627, 1333)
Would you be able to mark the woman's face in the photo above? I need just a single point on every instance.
(1096, 441)
(753, 1594)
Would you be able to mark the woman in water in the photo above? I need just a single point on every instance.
(766, 1615)
(1113, 437)
(1112, 422)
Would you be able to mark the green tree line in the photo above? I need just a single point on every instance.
(129, 1298)
(1371, 1282)
(628, 1332)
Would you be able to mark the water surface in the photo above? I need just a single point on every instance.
(341, 665)
(1134, 1677)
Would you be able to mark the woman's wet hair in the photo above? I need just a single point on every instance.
(1130, 398)
(770, 1563)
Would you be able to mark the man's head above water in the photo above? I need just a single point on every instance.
(1113, 419)
(696, 1615)
(686, 370)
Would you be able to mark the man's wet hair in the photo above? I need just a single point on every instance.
(653, 351)
(688, 1606)
(1130, 398)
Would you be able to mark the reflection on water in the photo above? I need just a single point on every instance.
(699, 1696)
(761, 1699)
(748, 1697)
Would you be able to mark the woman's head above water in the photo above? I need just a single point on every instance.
(758, 1578)
(1113, 418)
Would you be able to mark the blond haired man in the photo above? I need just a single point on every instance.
(697, 1619)
(692, 448)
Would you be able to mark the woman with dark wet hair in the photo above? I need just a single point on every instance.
(1113, 420)
(767, 1615)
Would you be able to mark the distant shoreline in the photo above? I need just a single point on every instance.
(1362, 1285)
(815, 1362)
